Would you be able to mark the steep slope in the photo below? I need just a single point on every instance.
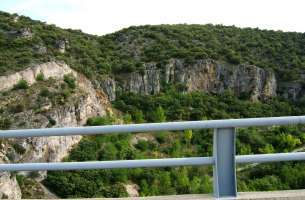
(207, 76)
(51, 77)
(55, 96)
(134, 49)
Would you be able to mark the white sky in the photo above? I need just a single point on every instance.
(106, 16)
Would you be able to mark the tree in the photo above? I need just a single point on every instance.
(287, 142)
(138, 116)
(127, 119)
(188, 134)
(109, 152)
(159, 115)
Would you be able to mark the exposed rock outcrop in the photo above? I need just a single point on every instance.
(292, 90)
(203, 75)
(84, 103)
(25, 33)
(9, 188)
(55, 70)
(132, 190)
(40, 49)
(62, 45)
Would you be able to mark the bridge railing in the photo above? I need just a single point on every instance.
(223, 160)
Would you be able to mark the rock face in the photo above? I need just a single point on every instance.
(40, 49)
(292, 90)
(87, 102)
(55, 70)
(25, 33)
(203, 75)
(9, 188)
(108, 85)
(61, 45)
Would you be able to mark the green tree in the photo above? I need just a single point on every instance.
(138, 116)
(159, 115)
(188, 135)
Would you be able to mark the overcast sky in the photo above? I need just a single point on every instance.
(106, 16)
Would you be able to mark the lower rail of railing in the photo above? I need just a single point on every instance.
(148, 163)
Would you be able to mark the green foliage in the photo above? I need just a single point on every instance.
(44, 92)
(70, 80)
(22, 84)
(127, 118)
(29, 187)
(96, 121)
(177, 106)
(52, 122)
(5, 123)
(158, 115)
(17, 108)
(188, 134)
(40, 77)
(197, 106)
(127, 50)
(138, 116)
(18, 148)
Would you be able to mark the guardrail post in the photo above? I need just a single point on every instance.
(224, 168)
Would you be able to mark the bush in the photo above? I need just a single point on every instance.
(96, 121)
(22, 84)
(52, 122)
(40, 77)
(5, 123)
(19, 149)
(70, 80)
(44, 92)
(17, 108)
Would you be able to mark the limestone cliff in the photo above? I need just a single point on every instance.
(31, 109)
(50, 70)
(203, 75)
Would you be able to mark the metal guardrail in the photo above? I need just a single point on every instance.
(223, 159)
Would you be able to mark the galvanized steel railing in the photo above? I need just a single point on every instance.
(223, 159)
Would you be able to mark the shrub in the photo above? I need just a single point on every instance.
(52, 122)
(17, 108)
(40, 77)
(22, 84)
(96, 121)
(5, 123)
(44, 92)
(70, 80)
(18, 148)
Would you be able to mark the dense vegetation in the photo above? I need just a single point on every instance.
(128, 49)
(177, 106)
(24, 42)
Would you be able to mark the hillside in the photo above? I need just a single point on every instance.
(52, 77)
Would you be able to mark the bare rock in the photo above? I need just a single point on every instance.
(40, 49)
(203, 75)
(9, 188)
(25, 33)
(88, 102)
(132, 190)
(55, 70)
(62, 45)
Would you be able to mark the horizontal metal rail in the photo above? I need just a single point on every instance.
(223, 159)
(117, 164)
(148, 127)
(149, 163)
